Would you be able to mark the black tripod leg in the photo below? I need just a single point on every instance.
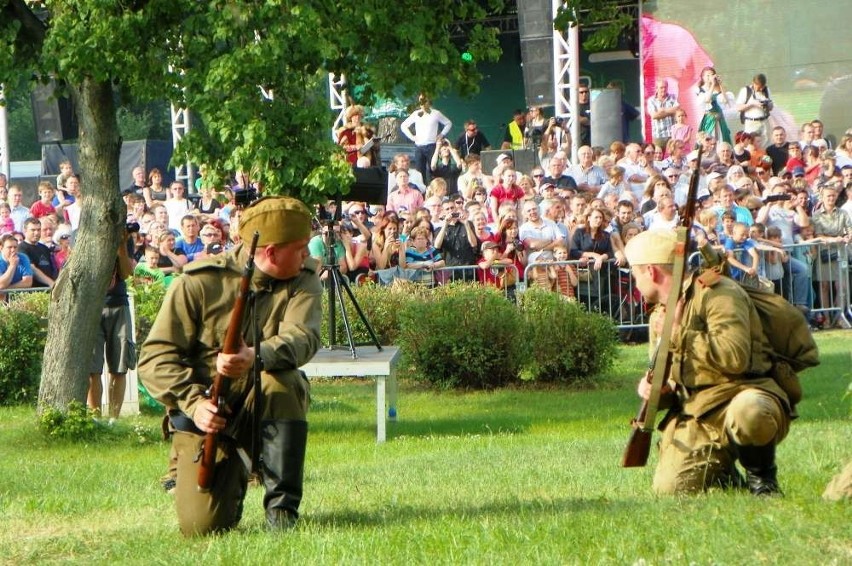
(338, 283)
(362, 315)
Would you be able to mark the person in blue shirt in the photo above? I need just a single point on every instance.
(15, 269)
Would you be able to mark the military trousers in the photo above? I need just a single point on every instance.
(699, 453)
(285, 396)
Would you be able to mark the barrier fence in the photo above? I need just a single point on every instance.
(813, 275)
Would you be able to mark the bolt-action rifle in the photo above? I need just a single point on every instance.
(217, 392)
(639, 445)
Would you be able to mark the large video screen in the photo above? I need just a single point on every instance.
(802, 46)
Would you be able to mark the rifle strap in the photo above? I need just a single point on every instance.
(662, 364)
(256, 369)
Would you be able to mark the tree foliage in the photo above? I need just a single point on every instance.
(609, 19)
(255, 73)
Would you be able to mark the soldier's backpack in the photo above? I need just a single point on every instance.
(784, 325)
(786, 329)
(787, 332)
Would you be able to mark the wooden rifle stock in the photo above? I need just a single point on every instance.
(639, 445)
(217, 392)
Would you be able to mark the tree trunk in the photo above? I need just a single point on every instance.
(78, 298)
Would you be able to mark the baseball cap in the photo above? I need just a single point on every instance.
(503, 156)
(693, 155)
(798, 171)
(489, 246)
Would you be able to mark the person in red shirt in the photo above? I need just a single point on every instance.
(43, 206)
(505, 191)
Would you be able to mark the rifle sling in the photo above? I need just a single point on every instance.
(662, 364)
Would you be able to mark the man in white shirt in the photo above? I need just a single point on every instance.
(754, 104)
(426, 122)
(539, 234)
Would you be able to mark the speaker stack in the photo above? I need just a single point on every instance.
(55, 119)
(535, 27)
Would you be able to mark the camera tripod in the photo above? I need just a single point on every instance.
(337, 283)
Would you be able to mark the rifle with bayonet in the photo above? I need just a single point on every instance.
(639, 445)
(231, 345)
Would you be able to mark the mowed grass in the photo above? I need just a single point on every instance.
(518, 476)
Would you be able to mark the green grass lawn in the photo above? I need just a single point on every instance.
(518, 476)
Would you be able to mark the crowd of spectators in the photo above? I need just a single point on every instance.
(455, 216)
(776, 210)
(165, 229)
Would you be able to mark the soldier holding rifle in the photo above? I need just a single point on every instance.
(265, 416)
(724, 404)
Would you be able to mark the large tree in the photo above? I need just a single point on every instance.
(253, 71)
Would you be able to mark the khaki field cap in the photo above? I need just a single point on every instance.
(651, 247)
(278, 220)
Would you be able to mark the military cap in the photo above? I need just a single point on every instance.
(278, 220)
(651, 247)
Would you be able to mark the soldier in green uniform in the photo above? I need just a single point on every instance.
(724, 404)
(182, 354)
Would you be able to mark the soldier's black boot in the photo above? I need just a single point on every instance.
(282, 468)
(761, 472)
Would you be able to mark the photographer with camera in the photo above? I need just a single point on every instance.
(446, 163)
(456, 241)
(754, 106)
(781, 211)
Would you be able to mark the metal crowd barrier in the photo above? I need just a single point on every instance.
(816, 276)
(610, 291)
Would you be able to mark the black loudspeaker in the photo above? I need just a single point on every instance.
(55, 119)
(535, 28)
(605, 116)
(537, 66)
(370, 186)
(524, 161)
(489, 158)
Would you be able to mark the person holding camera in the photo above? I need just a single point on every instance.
(712, 99)
(456, 241)
(446, 163)
(782, 212)
(754, 106)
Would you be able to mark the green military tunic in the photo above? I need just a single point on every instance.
(178, 359)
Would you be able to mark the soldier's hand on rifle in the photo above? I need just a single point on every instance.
(644, 389)
(235, 365)
(206, 417)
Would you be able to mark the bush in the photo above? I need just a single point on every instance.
(465, 336)
(381, 306)
(23, 331)
(147, 300)
(78, 423)
(565, 342)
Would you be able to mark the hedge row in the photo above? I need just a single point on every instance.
(456, 336)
